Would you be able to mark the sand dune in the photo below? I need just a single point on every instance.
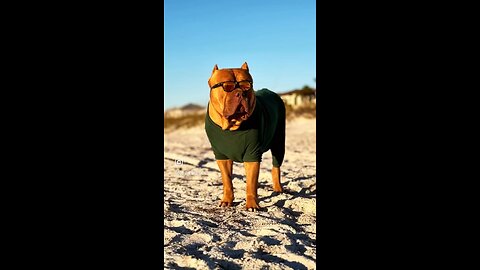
(201, 235)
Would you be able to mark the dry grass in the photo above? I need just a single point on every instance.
(309, 111)
(188, 121)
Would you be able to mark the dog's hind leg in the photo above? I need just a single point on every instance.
(278, 152)
(277, 186)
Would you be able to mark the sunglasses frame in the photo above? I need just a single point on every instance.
(237, 85)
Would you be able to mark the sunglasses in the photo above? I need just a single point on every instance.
(230, 86)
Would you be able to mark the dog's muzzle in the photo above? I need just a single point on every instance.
(236, 107)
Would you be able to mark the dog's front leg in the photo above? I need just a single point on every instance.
(226, 169)
(252, 171)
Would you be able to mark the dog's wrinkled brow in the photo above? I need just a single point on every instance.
(223, 76)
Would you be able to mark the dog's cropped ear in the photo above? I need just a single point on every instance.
(214, 68)
(245, 66)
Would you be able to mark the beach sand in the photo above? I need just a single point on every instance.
(200, 235)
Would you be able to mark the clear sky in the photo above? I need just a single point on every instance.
(275, 37)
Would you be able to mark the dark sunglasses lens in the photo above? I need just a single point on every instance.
(228, 86)
(244, 85)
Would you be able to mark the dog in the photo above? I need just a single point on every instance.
(241, 124)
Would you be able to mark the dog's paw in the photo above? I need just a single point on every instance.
(252, 205)
(277, 189)
(225, 204)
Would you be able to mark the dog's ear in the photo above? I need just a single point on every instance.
(214, 68)
(245, 66)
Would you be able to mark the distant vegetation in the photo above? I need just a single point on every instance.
(305, 111)
(186, 121)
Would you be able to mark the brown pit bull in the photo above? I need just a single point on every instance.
(242, 124)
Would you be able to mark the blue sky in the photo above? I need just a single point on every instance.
(275, 37)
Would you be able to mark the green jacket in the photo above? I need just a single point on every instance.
(264, 130)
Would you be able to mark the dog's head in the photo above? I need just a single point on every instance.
(232, 95)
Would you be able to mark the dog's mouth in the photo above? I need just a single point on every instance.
(240, 114)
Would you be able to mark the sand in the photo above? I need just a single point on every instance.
(200, 235)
